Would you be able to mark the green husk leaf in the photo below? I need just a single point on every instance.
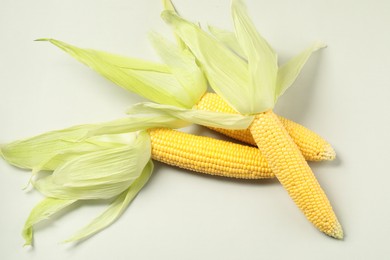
(117, 207)
(114, 59)
(32, 152)
(138, 122)
(48, 187)
(72, 174)
(201, 117)
(155, 83)
(227, 73)
(288, 73)
(168, 5)
(262, 60)
(44, 210)
(249, 87)
(183, 66)
(228, 38)
(98, 175)
(47, 151)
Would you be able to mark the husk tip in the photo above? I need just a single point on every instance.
(43, 40)
(320, 45)
(27, 244)
(167, 16)
(28, 238)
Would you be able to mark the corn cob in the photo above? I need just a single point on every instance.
(293, 172)
(208, 155)
(312, 146)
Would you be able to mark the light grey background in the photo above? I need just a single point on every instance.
(343, 94)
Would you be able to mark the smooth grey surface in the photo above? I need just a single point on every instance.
(343, 94)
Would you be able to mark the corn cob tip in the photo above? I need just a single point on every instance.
(328, 153)
(337, 232)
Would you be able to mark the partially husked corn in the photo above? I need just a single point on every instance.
(293, 172)
(208, 155)
(312, 146)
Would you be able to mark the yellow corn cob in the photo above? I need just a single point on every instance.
(293, 172)
(208, 155)
(312, 146)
